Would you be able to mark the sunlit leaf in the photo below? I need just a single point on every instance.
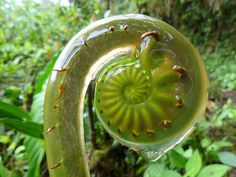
(170, 173)
(35, 147)
(42, 78)
(7, 110)
(215, 170)
(3, 170)
(27, 127)
(193, 165)
(177, 159)
(227, 158)
(218, 145)
(154, 170)
(34, 154)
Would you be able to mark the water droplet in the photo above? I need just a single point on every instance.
(151, 155)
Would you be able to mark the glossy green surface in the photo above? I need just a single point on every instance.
(157, 107)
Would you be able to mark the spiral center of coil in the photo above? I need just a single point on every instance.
(136, 87)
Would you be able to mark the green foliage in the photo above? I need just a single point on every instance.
(221, 67)
(30, 35)
(34, 154)
(227, 158)
(27, 127)
(15, 118)
(215, 170)
(12, 111)
(177, 159)
(193, 164)
(3, 171)
(13, 157)
(35, 147)
(158, 170)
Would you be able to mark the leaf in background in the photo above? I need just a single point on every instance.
(3, 171)
(170, 173)
(43, 77)
(34, 147)
(205, 142)
(177, 159)
(7, 110)
(140, 170)
(27, 127)
(157, 169)
(218, 145)
(34, 154)
(16, 173)
(216, 170)
(154, 170)
(227, 158)
(193, 165)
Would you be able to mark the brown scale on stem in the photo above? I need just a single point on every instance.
(180, 70)
(180, 102)
(166, 123)
(85, 43)
(150, 132)
(60, 70)
(56, 165)
(126, 28)
(61, 91)
(55, 106)
(109, 122)
(49, 130)
(119, 130)
(196, 124)
(111, 28)
(154, 34)
(134, 133)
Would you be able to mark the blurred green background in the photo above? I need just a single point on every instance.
(32, 35)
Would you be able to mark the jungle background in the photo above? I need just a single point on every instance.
(32, 35)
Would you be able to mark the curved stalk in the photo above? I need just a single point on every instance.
(82, 60)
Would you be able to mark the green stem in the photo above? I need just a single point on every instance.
(83, 59)
(90, 114)
(64, 102)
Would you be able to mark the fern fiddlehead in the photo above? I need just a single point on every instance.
(151, 90)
